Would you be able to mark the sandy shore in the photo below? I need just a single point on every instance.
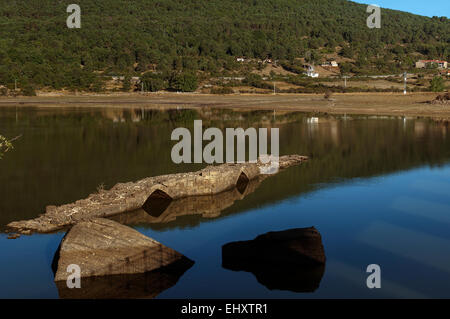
(410, 105)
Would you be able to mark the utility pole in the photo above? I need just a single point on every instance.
(405, 75)
(345, 81)
(274, 88)
(15, 85)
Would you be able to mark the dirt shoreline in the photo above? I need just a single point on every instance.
(384, 104)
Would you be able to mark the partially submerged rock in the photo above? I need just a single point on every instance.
(287, 260)
(125, 197)
(442, 99)
(102, 247)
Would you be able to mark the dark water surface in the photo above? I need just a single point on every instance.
(377, 189)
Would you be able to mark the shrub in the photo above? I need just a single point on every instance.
(185, 82)
(253, 79)
(222, 90)
(437, 84)
(154, 82)
(28, 90)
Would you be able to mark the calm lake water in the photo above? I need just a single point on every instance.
(377, 189)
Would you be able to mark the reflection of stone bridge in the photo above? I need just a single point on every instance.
(165, 210)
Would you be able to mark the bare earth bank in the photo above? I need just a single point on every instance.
(410, 105)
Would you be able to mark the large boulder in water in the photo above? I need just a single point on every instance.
(292, 260)
(102, 247)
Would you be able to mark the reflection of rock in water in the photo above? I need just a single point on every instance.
(146, 285)
(287, 260)
(104, 248)
(209, 206)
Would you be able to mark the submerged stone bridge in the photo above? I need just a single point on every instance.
(151, 191)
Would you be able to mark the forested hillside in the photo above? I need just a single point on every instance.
(200, 37)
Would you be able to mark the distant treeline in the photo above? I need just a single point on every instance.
(185, 41)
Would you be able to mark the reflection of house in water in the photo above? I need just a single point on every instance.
(334, 131)
(312, 120)
(291, 260)
(125, 115)
(419, 128)
(329, 127)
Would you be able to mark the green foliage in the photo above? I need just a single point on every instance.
(154, 82)
(345, 68)
(437, 84)
(292, 67)
(5, 146)
(126, 86)
(134, 37)
(347, 52)
(28, 90)
(222, 90)
(253, 79)
(184, 82)
(98, 85)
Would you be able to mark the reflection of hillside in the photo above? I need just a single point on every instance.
(203, 206)
(341, 151)
(66, 154)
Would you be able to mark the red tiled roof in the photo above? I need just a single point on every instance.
(435, 61)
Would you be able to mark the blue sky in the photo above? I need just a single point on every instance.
(423, 7)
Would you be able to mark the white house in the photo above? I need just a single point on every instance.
(310, 72)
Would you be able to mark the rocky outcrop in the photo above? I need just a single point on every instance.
(443, 99)
(102, 247)
(125, 197)
(287, 260)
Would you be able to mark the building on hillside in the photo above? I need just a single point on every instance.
(135, 80)
(421, 64)
(445, 72)
(240, 59)
(117, 78)
(330, 64)
(311, 73)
